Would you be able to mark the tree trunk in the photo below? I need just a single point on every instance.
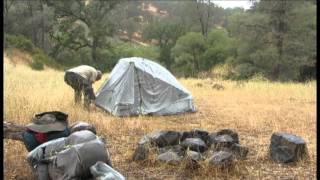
(195, 64)
(280, 37)
(34, 32)
(207, 20)
(201, 20)
(6, 15)
(94, 50)
(42, 25)
(204, 22)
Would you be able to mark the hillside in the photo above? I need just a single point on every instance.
(255, 109)
(16, 56)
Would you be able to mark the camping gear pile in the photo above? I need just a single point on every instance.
(67, 153)
(141, 86)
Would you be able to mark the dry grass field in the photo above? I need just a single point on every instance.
(254, 109)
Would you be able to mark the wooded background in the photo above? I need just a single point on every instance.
(274, 40)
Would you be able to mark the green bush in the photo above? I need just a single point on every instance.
(258, 77)
(244, 71)
(188, 51)
(107, 59)
(20, 42)
(221, 71)
(123, 50)
(39, 56)
(37, 65)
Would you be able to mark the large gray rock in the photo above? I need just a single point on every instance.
(195, 133)
(165, 138)
(141, 153)
(210, 138)
(176, 148)
(145, 140)
(200, 133)
(240, 152)
(287, 148)
(169, 157)
(222, 141)
(194, 144)
(230, 132)
(185, 135)
(196, 156)
(142, 150)
(221, 158)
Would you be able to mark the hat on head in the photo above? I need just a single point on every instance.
(49, 121)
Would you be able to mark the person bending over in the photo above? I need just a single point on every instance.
(81, 78)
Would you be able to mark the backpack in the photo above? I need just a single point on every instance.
(71, 157)
(32, 138)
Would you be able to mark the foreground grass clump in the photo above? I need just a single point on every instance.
(254, 109)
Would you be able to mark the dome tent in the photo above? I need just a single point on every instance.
(140, 86)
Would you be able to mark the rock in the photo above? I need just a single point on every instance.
(169, 157)
(230, 132)
(194, 144)
(221, 158)
(200, 133)
(186, 134)
(176, 148)
(165, 138)
(191, 161)
(239, 151)
(141, 153)
(144, 140)
(222, 141)
(196, 156)
(210, 139)
(285, 148)
(195, 133)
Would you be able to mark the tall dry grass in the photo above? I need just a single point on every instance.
(254, 109)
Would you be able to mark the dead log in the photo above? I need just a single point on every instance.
(13, 131)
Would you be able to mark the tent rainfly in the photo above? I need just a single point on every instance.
(141, 86)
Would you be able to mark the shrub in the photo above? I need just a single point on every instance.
(244, 71)
(221, 71)
(37, 65)
(123, 50)
(39, 56)
(258, 77)
(20, 42)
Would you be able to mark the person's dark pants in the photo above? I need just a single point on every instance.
(80, 85)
